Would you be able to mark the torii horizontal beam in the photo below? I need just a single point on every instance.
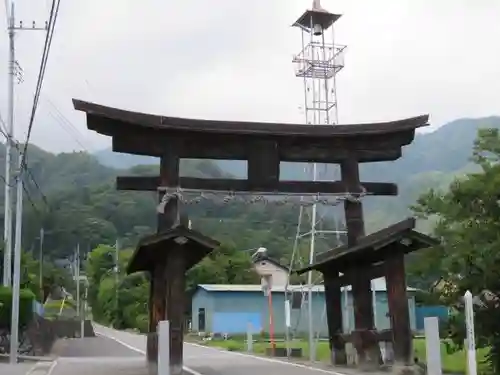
(152, 183)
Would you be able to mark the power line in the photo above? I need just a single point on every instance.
(66, 124)
(15, 144)
(54, 11)
(30, 199)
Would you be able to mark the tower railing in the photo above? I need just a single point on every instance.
(329, 60)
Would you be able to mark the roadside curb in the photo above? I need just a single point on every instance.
(30, 358)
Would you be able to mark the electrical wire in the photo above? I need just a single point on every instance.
(16, 146)
(43, 65)
(30, 199)
(54, 11)
(66, 124)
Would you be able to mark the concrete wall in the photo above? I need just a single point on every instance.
(230, 312)
(278, 275)
(44, 332)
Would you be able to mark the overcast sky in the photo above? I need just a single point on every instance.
(231, 59)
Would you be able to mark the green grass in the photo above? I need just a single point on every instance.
(452, 362)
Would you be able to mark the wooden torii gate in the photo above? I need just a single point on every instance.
(264, 146)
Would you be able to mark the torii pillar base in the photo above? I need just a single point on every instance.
(167, 256)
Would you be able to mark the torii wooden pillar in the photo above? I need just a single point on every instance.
(369, 353)
(167, 266)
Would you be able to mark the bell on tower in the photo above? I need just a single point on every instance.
(317, 28)
(318, 63)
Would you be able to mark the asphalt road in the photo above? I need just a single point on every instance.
(123, 353)
(201, 360)
(18, 369)
(95, 347)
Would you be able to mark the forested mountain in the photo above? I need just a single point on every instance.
(81, 205)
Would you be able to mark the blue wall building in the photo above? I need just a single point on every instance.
(422, 312)
(231, 308)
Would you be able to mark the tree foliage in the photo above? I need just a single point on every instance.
(467, 218)
(30, 276)
(122, 300)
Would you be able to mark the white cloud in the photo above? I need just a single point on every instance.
(231, 59)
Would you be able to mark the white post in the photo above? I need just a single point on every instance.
(77, 278)
(347, 311)
(374, 303)
(117, 270)
(432, 345)
(249, 338)
(288, 324)
(471, 342)
(164, 347)
(287, 314)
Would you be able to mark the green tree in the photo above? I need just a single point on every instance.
(100, 263)
(467, 220)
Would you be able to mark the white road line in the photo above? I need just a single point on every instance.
(41, 366)
(271, 360)
(32, 369)
(52, 367)
(265, 359)
(193, 372)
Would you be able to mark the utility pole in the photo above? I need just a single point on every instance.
(7, 257)
(14, 329)
(40, 260)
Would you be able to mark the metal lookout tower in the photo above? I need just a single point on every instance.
(318, 64)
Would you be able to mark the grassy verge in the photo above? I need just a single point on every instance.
(452, 362)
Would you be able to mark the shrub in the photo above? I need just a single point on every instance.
(26, 298)
(142, 323)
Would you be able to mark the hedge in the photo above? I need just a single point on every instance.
(26, 298)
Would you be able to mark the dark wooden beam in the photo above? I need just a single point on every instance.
(151, 183)
(235, 148)
(175, 266)
(263, 165)
(368, 350)
(117, 121)
(334, 313)
(384, 335)
(156, 313)
(169, 175)
(397, 300)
